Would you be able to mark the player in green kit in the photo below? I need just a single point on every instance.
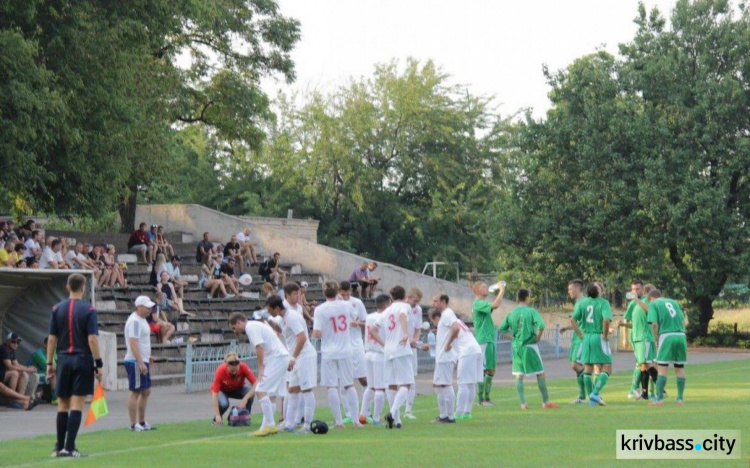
(668, 323)
(595, 353)
(575, 291)
(642, 341)
(484, 329)
(526, 327)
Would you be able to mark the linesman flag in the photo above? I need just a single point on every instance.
(98, 407)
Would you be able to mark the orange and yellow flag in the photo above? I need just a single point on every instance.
(98, 407)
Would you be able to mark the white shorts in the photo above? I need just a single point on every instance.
(335, 372)
(470, 369)
(398, 371)
(359, 363)
(414, 361)
(305, 373)
(443, 373)
(273, 380)
(376, 374)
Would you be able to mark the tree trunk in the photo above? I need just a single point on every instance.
(127, 209)
(705, 305)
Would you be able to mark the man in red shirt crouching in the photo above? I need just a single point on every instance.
(229, 382)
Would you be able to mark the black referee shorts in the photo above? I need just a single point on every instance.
(75, 375)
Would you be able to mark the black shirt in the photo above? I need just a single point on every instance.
(207, 246)
(72, 321)
(6, 353)
(225, 268)
(229, 247)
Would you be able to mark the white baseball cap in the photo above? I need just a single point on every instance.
(144, 301)
(303, 285)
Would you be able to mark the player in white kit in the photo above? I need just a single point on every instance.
(415, 333)
(303, 362)
(445, 361)
(469, 371)
(273, 359)
(356, 326)
(331, 326)
(374, 353)
(394, 329)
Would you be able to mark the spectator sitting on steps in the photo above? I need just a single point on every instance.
(162, 244)
(158, 323)
(52, 258)
(204, 248)
(227, 276)
(138, 243)
(33, 247)
(247, 248)
(232, 250)
(211, 273)
(173, 268)
(166, 296)
(270, 270)
(21, 379)
(6, 253)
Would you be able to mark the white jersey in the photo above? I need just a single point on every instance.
(260, 333)
(292, 324)
(48, 255)
(137, 327)
(358, 313)
(415, 319)
(465, 344)
(332, 319)
(372, 346)
(391, 331)
(447, 318)
(242, 238)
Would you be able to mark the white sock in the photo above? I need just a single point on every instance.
(352, 400)
(267, 407)
(410, 398)
(472, 389)
(342, 398)
(309, 398)
(463, 395)
(401, 396)
(391, 395)
(379, 402)
(441, 400)
(335, 401)
(450, 401)
(290, 409)
(367, 397)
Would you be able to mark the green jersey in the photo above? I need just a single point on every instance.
(484, 328)
(641, 330)
(668, 314)
(524, 322)
(591, 312)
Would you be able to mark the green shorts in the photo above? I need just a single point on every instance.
(645, 352)
(527, 360)
(672, 349)
(595, 350)
(490, 355)
(575, 349)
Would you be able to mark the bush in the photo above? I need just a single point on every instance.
(108, 222)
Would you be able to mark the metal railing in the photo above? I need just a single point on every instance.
(201, 362)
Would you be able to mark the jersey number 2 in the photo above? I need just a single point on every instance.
(590, 314)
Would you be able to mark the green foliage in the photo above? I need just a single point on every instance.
(91, 93)
(108, 222)
(640, 169)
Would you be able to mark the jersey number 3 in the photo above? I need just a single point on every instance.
(391, 322)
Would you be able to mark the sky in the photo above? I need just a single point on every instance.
(495, 47)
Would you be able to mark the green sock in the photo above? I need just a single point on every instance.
(487, 386)
(601, 382)
(581, 387)
(542, 382)
(661, 382)
(594, 378)
(587, 383)
(519, 390)
(680, 387)
(636, 380)
(480, 391)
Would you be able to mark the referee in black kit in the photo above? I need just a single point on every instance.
(74, 333)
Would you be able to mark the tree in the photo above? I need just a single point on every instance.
(641, 166)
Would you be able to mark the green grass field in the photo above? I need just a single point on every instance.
(717, 397)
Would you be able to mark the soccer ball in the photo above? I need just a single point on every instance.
(362, 419)
(425, 326)
(246, 280)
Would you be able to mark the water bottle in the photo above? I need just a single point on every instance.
(235, 413)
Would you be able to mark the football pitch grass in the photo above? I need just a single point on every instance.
(716, 397)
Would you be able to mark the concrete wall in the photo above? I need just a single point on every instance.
(302, 228)
(332, 263)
